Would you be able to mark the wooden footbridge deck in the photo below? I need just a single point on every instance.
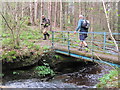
(100, 49)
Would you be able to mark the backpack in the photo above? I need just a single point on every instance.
(48, 22)
(85, 24)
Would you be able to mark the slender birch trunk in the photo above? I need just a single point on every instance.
(116, 45)
(32, 13)
(36, 10)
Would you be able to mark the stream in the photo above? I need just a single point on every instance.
(70, 74)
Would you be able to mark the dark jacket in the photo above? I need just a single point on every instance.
(79, 26)
(45, 21)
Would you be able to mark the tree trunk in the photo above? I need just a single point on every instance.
(32, 13)
(16, 14)
(36, 10)
(66, 14)
(41, 15)
(58, 15)
(50, 16)
(22, 9)
(55, 18)
(61, 16)
(76, 13)
(63, 11)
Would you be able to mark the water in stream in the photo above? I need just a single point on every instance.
(72, 74)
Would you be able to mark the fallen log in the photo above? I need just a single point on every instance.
(102, 56)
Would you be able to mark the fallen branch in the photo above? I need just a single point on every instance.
(102, 60)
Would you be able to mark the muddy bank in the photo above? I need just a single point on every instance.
(26, 60)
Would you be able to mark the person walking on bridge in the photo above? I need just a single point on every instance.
(83, 26)
(45, 23)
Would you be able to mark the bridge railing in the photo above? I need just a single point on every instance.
(97, 41)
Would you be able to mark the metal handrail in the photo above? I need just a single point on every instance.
(68, 39)
(89, 32)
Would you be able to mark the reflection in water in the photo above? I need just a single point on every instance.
(87, 76)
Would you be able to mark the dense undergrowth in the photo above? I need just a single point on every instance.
(28, 38)
(110, 80)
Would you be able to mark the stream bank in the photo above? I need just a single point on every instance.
(69, 73)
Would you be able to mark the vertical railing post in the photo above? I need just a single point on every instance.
(63, 36)
(104, 44)
(52, 39)
(68, 43)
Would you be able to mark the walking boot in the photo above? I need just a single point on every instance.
(80, 49)
(86, 48)
(48, 35)
(44, 37)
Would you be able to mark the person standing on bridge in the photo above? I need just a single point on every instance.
(45, 23)
(83, 26)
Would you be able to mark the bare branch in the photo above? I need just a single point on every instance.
(7, 23)
(9, 27)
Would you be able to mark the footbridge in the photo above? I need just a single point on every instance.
(101, 48)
